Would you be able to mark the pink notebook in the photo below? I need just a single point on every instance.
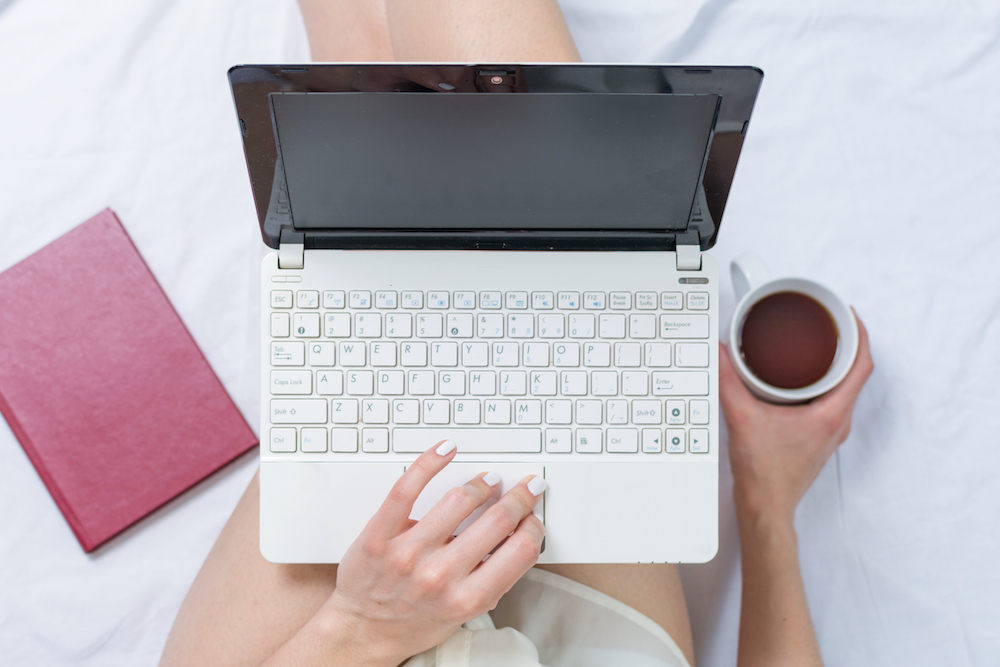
(104, 387)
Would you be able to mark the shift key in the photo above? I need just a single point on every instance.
(298, 411)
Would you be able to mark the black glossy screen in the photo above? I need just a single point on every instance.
(497, 161)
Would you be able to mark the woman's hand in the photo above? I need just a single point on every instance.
(776, 451)
(405, 586)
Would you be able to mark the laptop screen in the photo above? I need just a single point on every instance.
(492, 161)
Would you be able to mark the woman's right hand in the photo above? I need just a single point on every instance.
(405, 586)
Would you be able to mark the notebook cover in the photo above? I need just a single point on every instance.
(104, 387)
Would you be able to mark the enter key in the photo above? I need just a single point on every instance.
(680, 383)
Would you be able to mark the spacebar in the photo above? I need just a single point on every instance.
(470, 440)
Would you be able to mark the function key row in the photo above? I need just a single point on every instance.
(390, 300)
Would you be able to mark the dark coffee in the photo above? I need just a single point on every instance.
(789, 340)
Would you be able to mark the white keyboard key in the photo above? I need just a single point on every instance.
(675, 412)
(360, 383)
(597, 354)
(281, 298)
(528, 412)
(589, 411)
(305, 325)
(517, 300)
(451, 383)
(558, 440)
(566, 354)
(646, 300)
(413, 354)
(406, 411)
(475, 354)
(604, 383)
(628, 355)
(280, 325)
(436, 411)
(444, 354)
(635, 383)
(459, 325)
(551, 325)
(676, 441)
(337, 325)
(642, 325)
(521, 325)
(292, 353)
(698, 412)
(465, 300)
(314, 440)
(344, 440)
(617, 412)
(329, 383)
(467, 411)
(513, 383)
(621, 300)
(298, 410)
(542, 300)
(699, 441)
(658, 355)
(568, 300)
(652, 440)
(593, 300)
(352, 353)
(322, 354)
(398, 325)
(589, 440)
(679, 383)
(360, 299)
(558, 412)
(612, 325)
(368, 325)
(697, 300)
(671, 301)
(574, 383)
(543, 383)
(505, 354)
(469, 440)
(412, 300)
(375, 440)
(307, 298)
(375, 411)
(438, 300)
(421, 383)
(623, 440)
(291, 382)
(691, 355)
(282, 440)
(581, 325)
(390, 383)
(334, 299)
(490, 325)
(385, 300)
(646, 412)
(491, 300)
(483, 383)
(683, 326)
(536, 355)
(497, 411)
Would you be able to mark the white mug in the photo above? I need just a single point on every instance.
(753, 282)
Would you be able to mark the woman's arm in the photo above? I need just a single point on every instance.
(775, 453)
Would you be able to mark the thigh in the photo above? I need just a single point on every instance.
(241, 607)
(651, 589)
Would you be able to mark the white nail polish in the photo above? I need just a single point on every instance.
(537, 485)
(491, 478)
(445, 447)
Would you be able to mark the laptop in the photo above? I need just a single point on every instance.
(508, 256)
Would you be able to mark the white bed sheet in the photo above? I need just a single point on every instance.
(871, 164)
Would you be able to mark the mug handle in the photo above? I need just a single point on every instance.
(749, 272)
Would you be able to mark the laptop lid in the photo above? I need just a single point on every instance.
(565, 157)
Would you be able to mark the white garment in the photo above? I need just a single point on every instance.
(547, 620)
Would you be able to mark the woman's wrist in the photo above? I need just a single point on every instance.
(335, 640)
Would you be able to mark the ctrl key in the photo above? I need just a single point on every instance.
(282, 440)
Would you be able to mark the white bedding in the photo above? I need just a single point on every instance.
(871, 164)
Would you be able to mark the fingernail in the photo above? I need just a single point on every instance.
(536, 485)
(491, 478)
(446, 448)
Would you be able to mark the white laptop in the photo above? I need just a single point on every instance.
(512, 257)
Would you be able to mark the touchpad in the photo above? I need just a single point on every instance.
(457, 474)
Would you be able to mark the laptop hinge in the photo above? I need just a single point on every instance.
(291, 250)
(688, 252)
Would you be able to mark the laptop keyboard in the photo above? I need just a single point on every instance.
(498, 372)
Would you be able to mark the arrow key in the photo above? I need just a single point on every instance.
(652, 440)
(699, 441)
